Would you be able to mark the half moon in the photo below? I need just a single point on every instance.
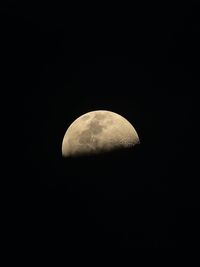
(98, 132)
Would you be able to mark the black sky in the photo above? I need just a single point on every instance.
(141, 62)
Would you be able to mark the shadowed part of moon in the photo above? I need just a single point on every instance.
(98, 132)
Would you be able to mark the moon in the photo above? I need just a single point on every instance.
(97, 132)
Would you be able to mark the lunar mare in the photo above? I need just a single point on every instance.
(98, 132)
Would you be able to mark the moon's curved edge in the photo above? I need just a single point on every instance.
(92, 112)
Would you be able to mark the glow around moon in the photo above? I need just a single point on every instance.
(97, 132)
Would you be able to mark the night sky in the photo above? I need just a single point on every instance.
(141, 62)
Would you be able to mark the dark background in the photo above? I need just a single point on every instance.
(139, 61)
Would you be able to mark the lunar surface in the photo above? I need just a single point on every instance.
(98, 132)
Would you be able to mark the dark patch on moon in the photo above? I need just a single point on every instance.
(95, 127)
(100, 116)
(87, 136)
